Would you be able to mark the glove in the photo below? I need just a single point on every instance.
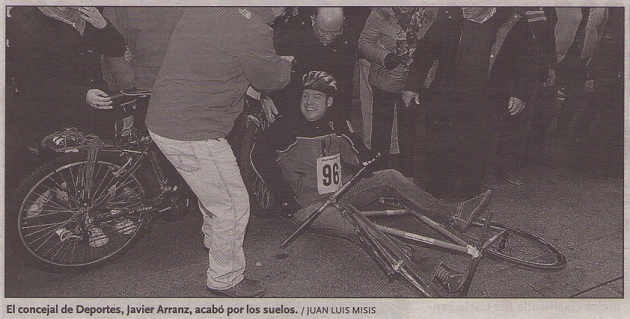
(391, 61)
(289, 207)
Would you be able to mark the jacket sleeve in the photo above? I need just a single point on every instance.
(593, 31)
(369, 39)
(428, 50)
(566, 27)
(263, 68)
(30, 54)
(265, 156)
(122, 71)
(112, 43)
(542, 29)
(525, 65)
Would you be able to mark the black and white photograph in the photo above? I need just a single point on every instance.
(315, 160)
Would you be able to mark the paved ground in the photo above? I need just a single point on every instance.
(582, 216)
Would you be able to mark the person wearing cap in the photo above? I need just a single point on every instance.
(303, 160)
(214, 55)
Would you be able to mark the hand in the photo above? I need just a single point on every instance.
(98, 100)
(551, 78)
(589, 86)
(289, 208)
(93, 16)
(515, 106)
(289, 58)
(408, 96)
(269, 108)
(391, 61)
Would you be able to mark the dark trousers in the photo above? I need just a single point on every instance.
(543, 107)
(382, 123)
(599, 131)
(460, 134)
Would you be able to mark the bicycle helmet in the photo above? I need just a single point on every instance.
(320, 81)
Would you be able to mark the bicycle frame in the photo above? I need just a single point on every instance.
(370, 234)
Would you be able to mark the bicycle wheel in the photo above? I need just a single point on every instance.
(518, 247)
(57, 223)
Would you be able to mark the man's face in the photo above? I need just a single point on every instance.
(327, 31)
(314, 104)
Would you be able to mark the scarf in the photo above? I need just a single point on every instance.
(410, 22)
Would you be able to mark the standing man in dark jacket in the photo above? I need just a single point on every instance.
(57, 53)
(602, 147)
(214, 54)
(326, 45)
(482, 51)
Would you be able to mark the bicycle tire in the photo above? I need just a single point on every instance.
(518, 247)
(50, 194)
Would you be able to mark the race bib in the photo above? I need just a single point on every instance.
(328, 174)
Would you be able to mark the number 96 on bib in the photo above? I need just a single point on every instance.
(328, 174)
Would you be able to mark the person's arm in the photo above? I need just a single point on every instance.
(368, 41)
(122, 71)
(264, 158)
(566, 28)
(30, 54)
(593, 31)
(357, 153)
(525, 62)
(428, 50)
(252, 44)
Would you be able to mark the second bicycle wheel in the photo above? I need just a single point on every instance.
(518, 247)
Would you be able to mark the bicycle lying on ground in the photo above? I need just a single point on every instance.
(390, 248)
(94, 200)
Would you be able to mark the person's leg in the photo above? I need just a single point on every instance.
(479, 121)
(210, 169)
(544, 112)
(365, 94)
(382, 121)
(406, 137)
(441, 151)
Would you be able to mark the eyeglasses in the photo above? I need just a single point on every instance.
(322, 32)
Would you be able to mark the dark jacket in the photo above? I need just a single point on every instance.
(147, 31)
(513, 58)
(53, 61)
(54, 68)
(285, 155)
(214, 54)
(542, 21)
(608, 60)
(336, 58)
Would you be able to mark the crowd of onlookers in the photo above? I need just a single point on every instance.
(455, 98)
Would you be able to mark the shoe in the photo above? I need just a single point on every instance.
(510, 176)
(465, 212)
(125, 226)
(450, 279)
(97, 237)
(247, 288)
(490, 181)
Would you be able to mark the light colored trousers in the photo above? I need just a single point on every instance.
(209, 167)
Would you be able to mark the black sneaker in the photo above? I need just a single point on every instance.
(463, 213)
(247, 288)
(450, 279)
